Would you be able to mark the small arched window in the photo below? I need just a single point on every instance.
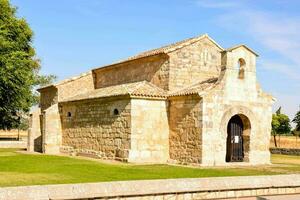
(69, 114)
(116, 111)
(242, 67)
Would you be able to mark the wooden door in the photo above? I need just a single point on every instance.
(235, 151)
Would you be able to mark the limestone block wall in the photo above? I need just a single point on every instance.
(34, 141)
(149, 131)
(48, 97)
(65, 89)
(51, 129)
(185, 121)
(71, 88)
(194, 63)
(98, 127)
(235, 96)
(153, 69)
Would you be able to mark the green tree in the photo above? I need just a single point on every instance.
(280, 124)
(296, 120)
(19, 67)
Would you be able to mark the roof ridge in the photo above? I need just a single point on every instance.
(194, 40)
(165, 49)
(73, 78)
(241, 45)
(144, 83)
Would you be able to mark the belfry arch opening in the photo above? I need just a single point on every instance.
(238, 139)
(241, 67)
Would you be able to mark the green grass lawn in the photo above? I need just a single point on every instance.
(24, 169)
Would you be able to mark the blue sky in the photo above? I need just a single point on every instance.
(73, 36)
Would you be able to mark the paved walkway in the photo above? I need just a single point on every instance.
(277, 197)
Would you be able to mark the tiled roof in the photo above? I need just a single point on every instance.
(166, 49)
(161, 50)
(66, 80)
(142, 88)
(241, 45)
(195, 88)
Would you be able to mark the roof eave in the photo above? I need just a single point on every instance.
(241, 45)
(45, 87)
(126, 61)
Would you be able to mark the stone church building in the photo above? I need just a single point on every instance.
(191, 102)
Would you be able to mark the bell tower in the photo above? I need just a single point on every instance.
(239, 63)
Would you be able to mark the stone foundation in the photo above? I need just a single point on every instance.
(285, 151)
(185, 189)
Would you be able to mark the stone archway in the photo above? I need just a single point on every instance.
(238, 139)
(247, 120)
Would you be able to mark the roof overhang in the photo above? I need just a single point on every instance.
(241, 45)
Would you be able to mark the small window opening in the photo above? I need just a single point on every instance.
(69, 114)
(241, 66)
(116, 111)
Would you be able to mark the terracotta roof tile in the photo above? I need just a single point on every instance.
(165, 49)
(66, 80)
(195, 88)
(241, 45)
(142, 88)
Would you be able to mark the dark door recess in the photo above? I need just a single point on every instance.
(235, 151)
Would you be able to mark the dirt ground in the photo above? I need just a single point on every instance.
(286, 142)
(13, 133)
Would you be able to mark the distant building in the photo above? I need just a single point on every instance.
(191, 102)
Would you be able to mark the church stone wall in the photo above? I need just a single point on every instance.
(94, 128)
(54, 94)
(51, 130)
(185, 121)
(34, 142)
(193, 63)
(81, 85)
(149, 131)
(237, 96)
(48, 97)
(153, 69)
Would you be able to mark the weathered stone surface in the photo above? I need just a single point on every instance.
(285, 151)
(187, 189)
(193, 63)
(152, 69)
(92, 127)
(34, 141)
(51, 131)
(242, 97)
(185, 120)
(58, 92)
(149, 131)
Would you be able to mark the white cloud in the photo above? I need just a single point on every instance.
(277, 33)
(283, 68)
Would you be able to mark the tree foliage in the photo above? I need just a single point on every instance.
(296, 120)
(280, 124)
(19, 67)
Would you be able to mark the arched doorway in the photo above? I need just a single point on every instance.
(235, 140)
